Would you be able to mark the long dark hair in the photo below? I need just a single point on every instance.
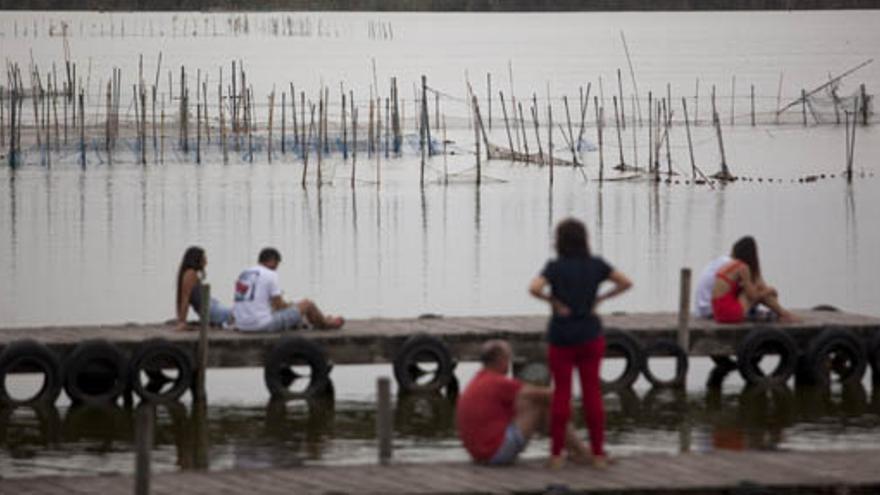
(571, 239)
(746, 250)
(193, 259)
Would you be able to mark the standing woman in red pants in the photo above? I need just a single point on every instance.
(574, 334)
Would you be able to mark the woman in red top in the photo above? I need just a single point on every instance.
(739, 286)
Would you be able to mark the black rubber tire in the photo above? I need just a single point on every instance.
(95, 373)
(295, 350)
(874, 357)
(835, 340)
(630, 349)
(755, 345)
(150, 357)
(826, 307)
(724, 365)
(665, 348)
(406, 370)
(31, 354)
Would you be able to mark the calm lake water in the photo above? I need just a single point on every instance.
(102, 245)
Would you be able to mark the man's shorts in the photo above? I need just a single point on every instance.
(286, 319)
(514, 443)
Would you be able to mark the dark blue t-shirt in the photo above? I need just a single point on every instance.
(575, 282)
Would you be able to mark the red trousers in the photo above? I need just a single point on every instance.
(588, 359)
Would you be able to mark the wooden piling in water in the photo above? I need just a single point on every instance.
(732, 100)
(344, 127)
(271, 118)
(571, 142)
(650, 132)
(537, 131)
(687, 127)
(320, 136)
(599, 119)
(617, 125)
(550, 138)
(384, 420)
(523, 129)
(370, 129)
(864, 103)
(697, 104)
(388, 121)
(308, 143)
(507, 124)
(804, 105)
(353, 142)
(222, 115)
(284, 121)
(477, 139)
(622, 112)
(489, 98)
(144, 431)
(296, 139)
(752, 98)
(667, 117)
(200, 387)
(249, 122)
(725, 172)
(162, 133)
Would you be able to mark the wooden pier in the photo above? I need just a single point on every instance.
(409, 344)
(376, 340)
(720, 472)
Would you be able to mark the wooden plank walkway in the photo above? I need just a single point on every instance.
(720, 472)
(377, 340)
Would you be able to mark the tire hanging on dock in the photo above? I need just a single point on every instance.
(834, 351)
(874, 357)
(759, 343)
(150, 367)
(29, 356)
(410, 362)
(296, 368)
(95, 373)
(665, 348)
(622, 344)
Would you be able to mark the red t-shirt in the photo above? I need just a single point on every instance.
(484, 410)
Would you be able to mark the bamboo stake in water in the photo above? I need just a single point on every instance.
(617, 124)
(574, 157)
(353, 143)
(162, 133)
(732, 100)
(271, 118)
(284, 120)
(320, 135)
(667, 116)
(599, 138)
(522, 127)
(308, 143)
(344, 128)
(477, 139)
(537, 132)
(620, 94)
(507, 126)
(753, 104)
(687, 127)
(550, 138)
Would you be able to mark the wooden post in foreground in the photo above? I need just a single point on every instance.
(383, 419)
(199, 394)
(684, 303)
(143, 446)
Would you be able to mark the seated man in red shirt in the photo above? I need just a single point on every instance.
(497, 415)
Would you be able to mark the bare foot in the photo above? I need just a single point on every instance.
(602, 461)
(788, 318)
(334, 322)
(556, 462)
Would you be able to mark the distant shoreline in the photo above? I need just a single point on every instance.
(435, 5)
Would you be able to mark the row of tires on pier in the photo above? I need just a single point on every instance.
(157, 370)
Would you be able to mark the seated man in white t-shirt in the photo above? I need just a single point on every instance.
(259, 306)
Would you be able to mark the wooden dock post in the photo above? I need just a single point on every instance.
(684, 313)
(384, 424)
(199, 388)
(143, 434)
